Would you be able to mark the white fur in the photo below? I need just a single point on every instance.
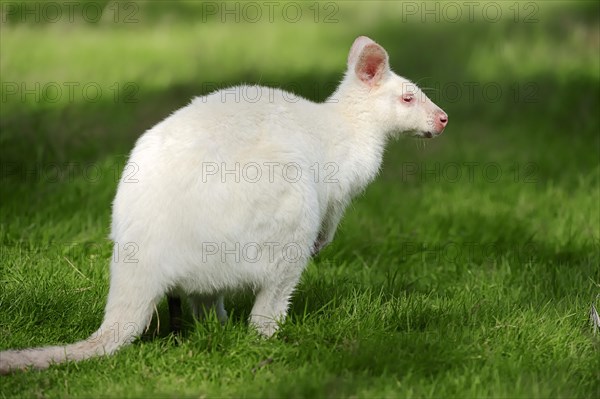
(168, 212)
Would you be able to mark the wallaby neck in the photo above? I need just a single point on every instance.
(357, 143)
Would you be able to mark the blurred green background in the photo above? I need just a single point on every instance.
(467, 269)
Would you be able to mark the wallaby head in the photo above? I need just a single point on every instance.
(396, 104)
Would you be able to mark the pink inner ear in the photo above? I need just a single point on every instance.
(371, 64)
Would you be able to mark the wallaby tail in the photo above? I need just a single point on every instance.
(100, 343)
(128, 312)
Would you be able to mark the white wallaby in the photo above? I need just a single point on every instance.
(238, 190)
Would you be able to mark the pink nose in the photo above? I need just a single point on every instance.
(443, 119)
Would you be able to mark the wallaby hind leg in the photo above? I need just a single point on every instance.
(175, 313)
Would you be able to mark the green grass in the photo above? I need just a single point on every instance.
(436, 285)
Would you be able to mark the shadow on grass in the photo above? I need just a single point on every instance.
(477, 243)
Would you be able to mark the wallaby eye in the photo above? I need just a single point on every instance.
(407, 97)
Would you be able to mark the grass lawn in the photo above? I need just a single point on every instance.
(467, 269)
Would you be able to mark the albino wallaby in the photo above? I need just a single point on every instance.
(238, 190)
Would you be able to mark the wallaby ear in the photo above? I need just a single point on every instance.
(368, 60)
